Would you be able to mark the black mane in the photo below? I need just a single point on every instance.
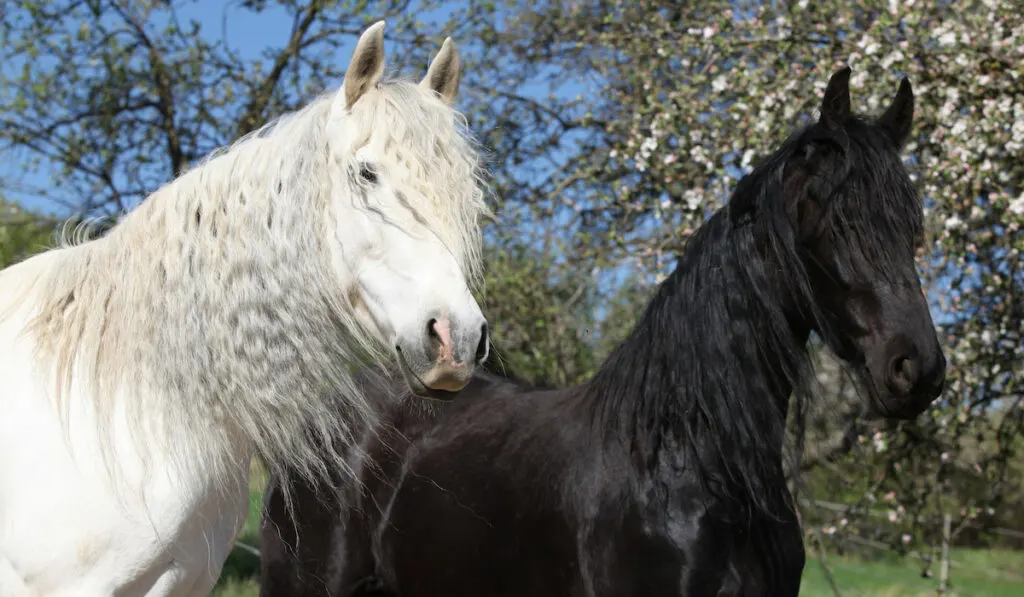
(716, 340)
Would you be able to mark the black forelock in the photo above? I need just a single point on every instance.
(877, 207)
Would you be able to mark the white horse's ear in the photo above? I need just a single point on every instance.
(367, 64)
(443, 73)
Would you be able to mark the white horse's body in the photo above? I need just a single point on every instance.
(140, 372)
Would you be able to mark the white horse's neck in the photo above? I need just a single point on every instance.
(218, 290)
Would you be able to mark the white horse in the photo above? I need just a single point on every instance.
(140, 372)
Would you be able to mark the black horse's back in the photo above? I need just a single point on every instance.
(321, 546)
(501, 524)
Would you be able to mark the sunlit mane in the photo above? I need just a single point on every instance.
(218, 288)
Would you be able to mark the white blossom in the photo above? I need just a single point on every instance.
(1017, 205)
(693, 199)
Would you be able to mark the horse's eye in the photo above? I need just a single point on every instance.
(368, 173)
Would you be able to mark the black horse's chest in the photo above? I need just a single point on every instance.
(665, 548)
(772, 548)
(758, 558)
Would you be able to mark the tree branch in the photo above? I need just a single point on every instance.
(165, 93)
(254, 111)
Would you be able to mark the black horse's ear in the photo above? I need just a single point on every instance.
(899, 116)
(835, 107)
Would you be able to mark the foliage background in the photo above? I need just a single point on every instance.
(612, 130)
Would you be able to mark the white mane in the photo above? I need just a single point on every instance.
(214, 303)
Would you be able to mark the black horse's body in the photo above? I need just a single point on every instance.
(663, 475)
(589, 521)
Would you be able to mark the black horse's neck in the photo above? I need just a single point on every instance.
(705, 376)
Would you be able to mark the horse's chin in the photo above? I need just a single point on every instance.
(902, 409)
(883, 406)
(416, 385)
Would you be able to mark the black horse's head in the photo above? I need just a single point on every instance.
(857, 220)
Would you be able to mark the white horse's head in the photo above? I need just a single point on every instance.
(407, 202)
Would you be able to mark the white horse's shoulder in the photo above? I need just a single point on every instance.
(63, 527)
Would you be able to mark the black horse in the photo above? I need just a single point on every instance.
(663, 475)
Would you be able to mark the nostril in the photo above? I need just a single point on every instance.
(438, 341)
(481, 348)
(903, 374)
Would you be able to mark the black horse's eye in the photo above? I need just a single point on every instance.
(367, 173)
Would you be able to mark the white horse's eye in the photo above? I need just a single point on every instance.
(368, 173)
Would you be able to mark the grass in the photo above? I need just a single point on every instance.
(978, 573)
(241, 573)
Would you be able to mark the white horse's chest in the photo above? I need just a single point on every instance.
(64, 532)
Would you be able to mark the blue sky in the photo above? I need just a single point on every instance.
(246, 32)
